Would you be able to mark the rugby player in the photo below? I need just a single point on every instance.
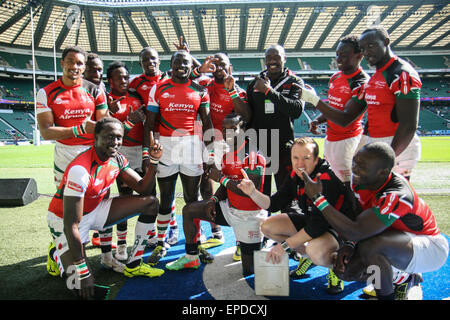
(397, 231)
(178, 101)
(79, 205)
(229, 206)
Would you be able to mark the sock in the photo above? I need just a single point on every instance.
(191, 249)
(199, 231)
(105, 240)
(217, 232)
(399, 276)
(163, 221)
(121, 237)
(173, 219)
(142, 233)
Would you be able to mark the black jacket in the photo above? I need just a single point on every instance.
(287, 106)
(336, 193)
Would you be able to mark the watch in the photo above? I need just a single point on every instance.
(285, 246)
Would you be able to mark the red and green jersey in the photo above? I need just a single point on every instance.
(142, 85)
(130, 102)
(88, 177)
(252, 163)
(178, 105)
(395, 80)
(342, 88)
(398, 206)
(71, 105)
(221, 103)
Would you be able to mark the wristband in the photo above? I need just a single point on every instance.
(233, 94)
(82, 270)
(145, 153)
(316, 196)
(211, 156)
(285, 246)
(215, 199)
(128, 125)
(321, 203)
(154, 161)
(196, 72)
(265, 93)
(351, 244)
(223, 181)
(79, 130)
(310, 96)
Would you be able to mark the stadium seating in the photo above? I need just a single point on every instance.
(430, 121)
(21, 121)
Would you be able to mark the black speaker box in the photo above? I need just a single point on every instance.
(17, 192)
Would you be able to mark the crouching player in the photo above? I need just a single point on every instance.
(79, 206)
(396, 232)
(229, 206)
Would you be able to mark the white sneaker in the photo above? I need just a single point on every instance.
(172, 237)
(202, 235)
(112, 264)
(121, 252)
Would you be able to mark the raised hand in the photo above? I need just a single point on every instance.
(137, 115)
(89, 124)
(114, 105)
(228, 80)
(246, 185)
(314, 126)
(209, 65)
(262, 84)
(156, 150)
(181, 45)
(311, 188)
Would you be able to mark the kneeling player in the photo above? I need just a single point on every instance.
(229, 206)
(79, 206)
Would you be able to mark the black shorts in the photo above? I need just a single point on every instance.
(314, 226)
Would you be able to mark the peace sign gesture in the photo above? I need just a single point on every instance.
(311, 188)
(228, 79)
(181, 45)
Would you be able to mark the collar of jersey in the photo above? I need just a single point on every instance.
(97, 159)
(349, 76)
(68, 87)
(391, 61)
(180, 84)
(152, 78)
(117, 97)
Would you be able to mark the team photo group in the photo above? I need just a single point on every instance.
(240, 165)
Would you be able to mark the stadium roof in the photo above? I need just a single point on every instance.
(124, 27)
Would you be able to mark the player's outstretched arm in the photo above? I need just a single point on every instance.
(343, 118)
(366, 225)
(143, 185)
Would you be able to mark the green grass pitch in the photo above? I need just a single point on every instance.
(24, 234)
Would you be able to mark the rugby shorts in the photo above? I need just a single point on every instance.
(339, 155)
(181, 155)
(430, 253)
(246, 224)
(407, 160)
(63, 155)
